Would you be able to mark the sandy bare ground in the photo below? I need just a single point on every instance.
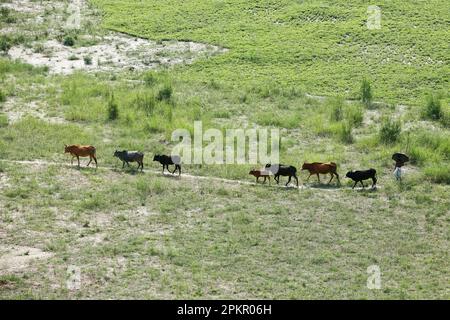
(15, 258)
(111, 52)
(117, 52)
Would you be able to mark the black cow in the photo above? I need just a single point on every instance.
(282, 170)
(359, 176)
(130, 156)
(169, 160)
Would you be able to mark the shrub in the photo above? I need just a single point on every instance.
(354, 115)
(113, 109)
(2, 96)
(68, 41)
(165, 93)
(5, 44)
(433, 108)
(366, 93)
(390, 131)
(87, 60)
(345, 133)
(337, 110)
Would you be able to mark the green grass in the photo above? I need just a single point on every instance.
(309, 43)
(141, 235)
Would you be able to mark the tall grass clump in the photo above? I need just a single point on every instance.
(345, 132)
(145, 102)
(432, 109)
(68, 41)
(366, 93)
(113, 109)
(2, 96)
(354, 115)
(5, 44)
(165, 93)
(390, 131)
(337, 109)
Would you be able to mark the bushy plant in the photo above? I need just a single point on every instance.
(87, 60)
(68, 41)
(390, 131)
(5, 44)
(165, 93)
(433, 109)
(366, 93)
(113, 109)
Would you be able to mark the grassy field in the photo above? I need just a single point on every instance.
(144, 235)
(307, 44)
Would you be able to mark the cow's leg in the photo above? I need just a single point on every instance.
(362, 183)
(337, 177)
(354, 185)
(90, 160)
(257, 179)
(309, 177)
(95, 160)
(296, 179)
(71, 160)
(123, 164)
(374, 182)
(78, 158)
(332, 176)
(289, 180)
(318, 178)
(277, 179)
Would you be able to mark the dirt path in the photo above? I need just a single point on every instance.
(323, 187)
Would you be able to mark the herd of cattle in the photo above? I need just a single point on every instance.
(270, 170)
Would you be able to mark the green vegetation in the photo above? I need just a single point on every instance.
(366, 93)
(309, 43)
(69, 41)
(390, 131)
(143, 235)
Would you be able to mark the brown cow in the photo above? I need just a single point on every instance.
(81, 151)
(260, 173)
(322, 168)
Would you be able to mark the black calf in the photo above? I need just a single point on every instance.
(359, 176)
(169, 160)
(282, 170)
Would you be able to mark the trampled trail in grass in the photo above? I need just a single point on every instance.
(323, 187)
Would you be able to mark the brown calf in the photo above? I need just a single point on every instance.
(260, 173)
(321, 168)
(78, 151)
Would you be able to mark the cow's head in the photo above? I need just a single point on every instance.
(349, 174)
(305, 166)
(66, 148)
(156, 157)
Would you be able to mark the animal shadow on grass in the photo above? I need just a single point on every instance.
(128, 170)
(317, 185)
